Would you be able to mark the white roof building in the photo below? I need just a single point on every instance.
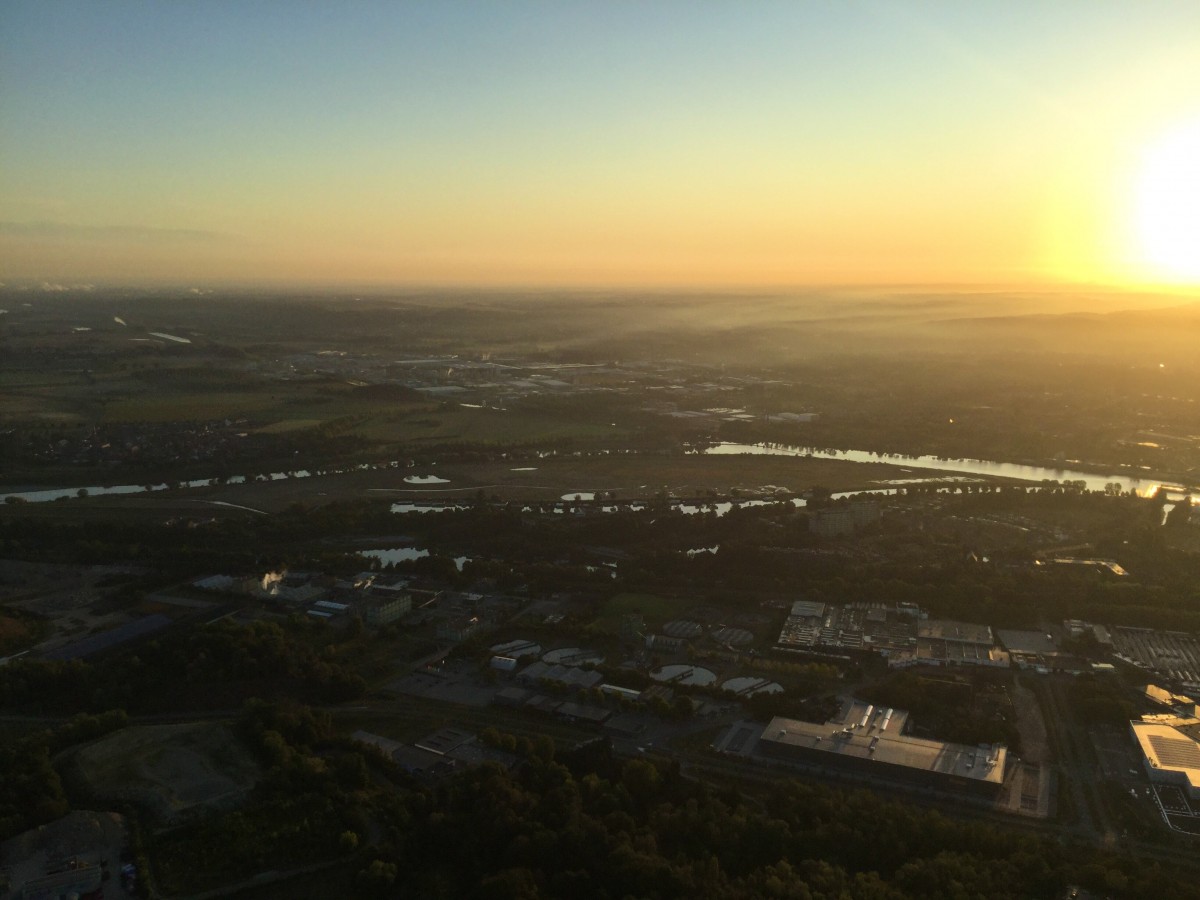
(1170, 753)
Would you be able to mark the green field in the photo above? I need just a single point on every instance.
(286, 426)
(198, 406)
(292, 408)
(40, 407)
(18, 380)
(478, 426)
(14, 633)
(657, 611)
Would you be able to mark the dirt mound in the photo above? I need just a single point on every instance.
(170, 771)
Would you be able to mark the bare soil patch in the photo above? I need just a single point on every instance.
(1034, 746)
(170, 771)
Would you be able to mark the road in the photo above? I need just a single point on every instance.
(1077, 764)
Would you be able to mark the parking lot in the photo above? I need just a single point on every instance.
(1180, 813)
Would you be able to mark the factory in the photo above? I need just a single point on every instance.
(1170, 748)
(870, 741)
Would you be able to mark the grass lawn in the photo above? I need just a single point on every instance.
(17, 379)
(655, 610)
(284, 426)
(409, 719)
(407, 723)
(38, 407)
(185, 407)
(482, 426)
(13, 632)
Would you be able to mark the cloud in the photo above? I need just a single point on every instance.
(63, 231)
(53, 287)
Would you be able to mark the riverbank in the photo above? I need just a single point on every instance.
(626, 477)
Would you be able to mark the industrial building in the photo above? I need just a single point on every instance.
(567, 676)
(876, 628)
(941, 642)
(901, 634)
(1170, 748)
(1173, 656)
(946, 653)
(870, 741)
(1179, 704)
(458, 628)
(385, 610)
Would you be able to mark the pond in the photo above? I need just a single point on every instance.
(405, 554)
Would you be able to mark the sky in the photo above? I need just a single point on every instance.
(597, 144)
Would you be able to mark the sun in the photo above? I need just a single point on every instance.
(1167, 205)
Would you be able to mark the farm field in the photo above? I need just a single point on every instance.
(656, 611)
(482, 427)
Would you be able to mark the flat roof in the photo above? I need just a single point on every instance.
(948, 630)
(1166, 698)
(584, 711)
(519, 647)
(569, 675)
(1167, 749)
(808, 608)
(107, 639)
(853, 711)
(1026, 641)
(443, 741)
(939, 649)
(983, 763)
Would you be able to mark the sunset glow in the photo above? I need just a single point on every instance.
(598, 144)
(1168, 208)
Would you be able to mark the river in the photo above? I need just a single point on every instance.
(1142, 485)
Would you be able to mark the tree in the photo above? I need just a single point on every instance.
(378, 876)
(510, 884)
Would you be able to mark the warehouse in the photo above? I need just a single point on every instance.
(1170, 753)
(869, 741)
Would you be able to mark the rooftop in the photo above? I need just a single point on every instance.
(443, 741)
(808, 608)
(1168, 749)
(1026, 641)
(1166, 698)
(967, 632)
(984, 763)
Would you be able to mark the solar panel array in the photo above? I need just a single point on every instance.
(1178, 753)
